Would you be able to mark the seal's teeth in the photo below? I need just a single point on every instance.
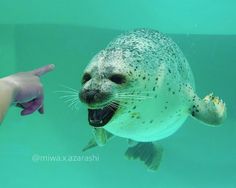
(101, 122)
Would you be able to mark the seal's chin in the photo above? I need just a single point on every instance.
(100, 117)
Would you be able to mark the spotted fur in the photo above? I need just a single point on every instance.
(159, 79)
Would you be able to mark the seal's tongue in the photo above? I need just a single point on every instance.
(100, 117)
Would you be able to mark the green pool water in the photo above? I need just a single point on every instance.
(33, 34)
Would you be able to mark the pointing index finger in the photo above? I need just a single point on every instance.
(43, 70)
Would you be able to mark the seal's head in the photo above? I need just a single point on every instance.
(119, 79)
(104, 77)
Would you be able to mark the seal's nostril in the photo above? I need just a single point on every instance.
(90, 96)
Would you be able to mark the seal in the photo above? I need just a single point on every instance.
(141, 87)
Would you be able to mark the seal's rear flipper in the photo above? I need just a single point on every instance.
(147, 152)
(210, 110)
(101, 136)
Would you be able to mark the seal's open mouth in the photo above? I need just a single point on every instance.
(100, 117)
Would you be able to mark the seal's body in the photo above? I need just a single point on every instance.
(159, 76)
(141, 87)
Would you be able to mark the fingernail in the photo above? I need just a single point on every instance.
(52, 66)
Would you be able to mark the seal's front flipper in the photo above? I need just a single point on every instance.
(100, 138)
(147, 152)
(91, 144)
(131, 143)
(210, 110)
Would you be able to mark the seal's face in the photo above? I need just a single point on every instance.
(101, 81)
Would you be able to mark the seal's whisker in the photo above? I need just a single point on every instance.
(134, 93)
(73, 104)
(117, 103)
(114, 104)
(76, 105)
(135, 90)
(69, 92)
(111, 107)
(141, 92)
(71, 99)
(134, 97)
(130, 98)
(69, 88)
(68, 96)
(70, 103)
(137, 96)
(69, 106)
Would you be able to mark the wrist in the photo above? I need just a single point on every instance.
(9, 87)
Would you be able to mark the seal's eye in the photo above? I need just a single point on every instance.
(86, 78)
(118, 78)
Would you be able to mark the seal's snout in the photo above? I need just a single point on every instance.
(98, 116)
(89, 96)
(93, 96)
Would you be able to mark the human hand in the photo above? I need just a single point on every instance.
(28, 90)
